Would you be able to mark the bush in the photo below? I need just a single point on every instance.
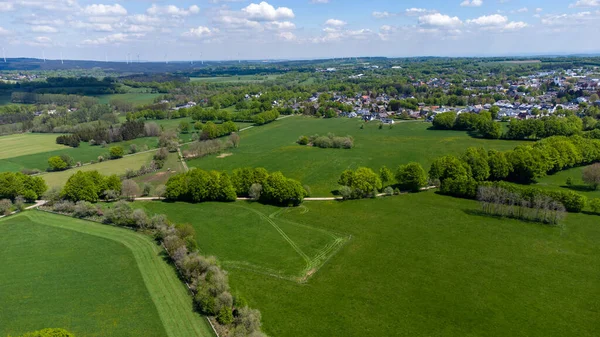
(255, 191)
(19, 203)
(130, 189)
(595, 205)
(363, 182)
(411, 177)
(146, 189)
(56, 163)
(116, 152)
(120, 214)
(64, 206)
(303, 140)
(389, 191)
(84, 209)
(329, 141)
(5, 206)
(225, 316)
(133, 148)
(49, 333)
(345, 192)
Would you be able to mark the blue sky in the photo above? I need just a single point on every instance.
(231, 29)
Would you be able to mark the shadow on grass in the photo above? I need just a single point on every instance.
(579, 188)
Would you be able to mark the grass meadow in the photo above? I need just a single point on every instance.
(265, 242)
(274, 147)
(118, 167)
(413, 265)
(236, 79)
(134, 97)
(92, 279)
(84, 153)
(23, 144)
(559, 181)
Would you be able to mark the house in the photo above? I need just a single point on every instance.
(387, 121)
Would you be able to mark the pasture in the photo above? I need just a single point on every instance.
(559, 181)
(92, 279)
(137, 98)
(118, 167)
(235, 79)
(265, 242)
(274, 147)
(415, 265)
(171, 167)
(84, 154)
(23, 144)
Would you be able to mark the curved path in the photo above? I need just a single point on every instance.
(169, 294)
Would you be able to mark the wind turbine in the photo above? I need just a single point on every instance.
(4, 54)
(201, 59)
(138, 56)
(61, 58)
(44, 55)
(166, 58)
(191, 59)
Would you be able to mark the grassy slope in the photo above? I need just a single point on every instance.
(135, 98)
(27, 144)
(171, 167)
(253, 237)
(273, 146)
(169, 295)
(84, 153)
(421, 265)
(53, 277)
(118, 167)
(558, 181)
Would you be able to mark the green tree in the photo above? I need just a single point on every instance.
(477, 159)
(499, 166)
(591, 175)
(444, 121)
(411, 177)
(57, 164)
(116, 152)
(386, 175)
(225, 316)
(595, 205)
(184, 127)
(449, 167)
(80, 186)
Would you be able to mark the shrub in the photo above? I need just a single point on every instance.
(411, 177)
(19, 203)
(49, 333)
(146, 189)
(591, 175)
(133, 148)
(389, 191)
(595, 205)
(130, 189)
(345, 192)
(255, 191)
(64, 206)
(225, 316)
(5, 206)
(363, 182)
(307, 190)
(56, 163)
(116, 152)
(303, 140)
(160, 191)
(569, 181)
(120, 214)
(84, 209)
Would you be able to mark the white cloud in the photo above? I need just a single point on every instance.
(266, 12)
(172, 10)
(279, 25)
(319, 1)
(6, 6)
(109, 39)
(101, 10)
(381, 15)
(287, 36)
(566, 19)
(199, 32)
(415, 11)
(585, 3)
(44, 29)
(523, 10)
(489, 20)
(439, 20)
(471, 3)
(143, 19)
(538, 10)
(335, 23)
(138, 29)
(4, 31)
(515, 25)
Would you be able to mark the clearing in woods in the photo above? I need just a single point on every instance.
(92, 279)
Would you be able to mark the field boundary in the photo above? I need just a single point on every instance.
(173, 303)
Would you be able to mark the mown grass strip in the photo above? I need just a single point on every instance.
(168, 293)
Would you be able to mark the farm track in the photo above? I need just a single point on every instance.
(168, 293)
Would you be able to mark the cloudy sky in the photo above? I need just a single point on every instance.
(274, 29)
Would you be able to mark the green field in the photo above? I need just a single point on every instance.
(236, 79)
(133, 97)
(171, 167)
(265, 242)
(118, 167)
(559, 181)
(415, 265)
(28, 143)
(92, 279)
(274, 147)
(84, 154)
